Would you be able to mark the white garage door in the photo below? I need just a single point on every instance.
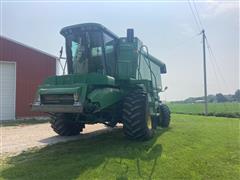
(7, 90)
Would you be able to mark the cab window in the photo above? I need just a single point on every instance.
(109, 47)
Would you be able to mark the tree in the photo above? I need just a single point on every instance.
(220, 97)
(237, 95)
(211, 98)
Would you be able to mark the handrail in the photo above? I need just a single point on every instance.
(148, 64)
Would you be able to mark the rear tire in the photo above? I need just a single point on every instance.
(137, 122)
(65, 125)
(165, 116)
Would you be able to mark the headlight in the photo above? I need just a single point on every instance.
(76, 97)
(37, 100)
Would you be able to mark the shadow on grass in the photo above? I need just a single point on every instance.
(108, 155)
(58, 139)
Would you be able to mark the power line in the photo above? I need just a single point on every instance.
(184, 42)
(215, 60)
(195, 18)
(214, 68)
(200, 26)
(198, 17)
(211, 54)
(212, 60)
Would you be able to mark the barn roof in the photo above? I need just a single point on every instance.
(26, 46)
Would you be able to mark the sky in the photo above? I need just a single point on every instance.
(167, 28)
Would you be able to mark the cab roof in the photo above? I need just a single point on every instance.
(86, 26)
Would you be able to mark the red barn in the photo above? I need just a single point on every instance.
(22, 69)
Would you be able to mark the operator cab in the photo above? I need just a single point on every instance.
(90, 47)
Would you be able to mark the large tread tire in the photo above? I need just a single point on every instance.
(165, 116)
(135, 116)
(64, 125)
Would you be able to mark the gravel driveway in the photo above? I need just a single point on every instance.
(15, 139)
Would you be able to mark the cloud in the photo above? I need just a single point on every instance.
(215, 8)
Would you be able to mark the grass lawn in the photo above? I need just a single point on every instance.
(220, 109)
(194, 147)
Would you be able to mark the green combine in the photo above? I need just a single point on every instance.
(110, 80)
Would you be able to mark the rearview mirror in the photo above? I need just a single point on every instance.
(165, 88)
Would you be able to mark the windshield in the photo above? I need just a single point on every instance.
(91, 51)
(85, 52)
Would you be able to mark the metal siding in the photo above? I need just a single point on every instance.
(31, 69)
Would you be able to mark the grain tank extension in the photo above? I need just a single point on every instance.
(110, 80)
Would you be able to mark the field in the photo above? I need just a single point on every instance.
(194, 147)
(215, 109)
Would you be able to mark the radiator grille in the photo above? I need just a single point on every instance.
(66, 99)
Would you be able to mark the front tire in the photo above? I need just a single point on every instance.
(137, 122)
(165, 116)
(65, 125)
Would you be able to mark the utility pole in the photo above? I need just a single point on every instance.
(205, 74)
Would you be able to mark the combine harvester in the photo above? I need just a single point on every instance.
(110, 80)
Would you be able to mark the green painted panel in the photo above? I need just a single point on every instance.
(91, 78)
(105, 96)
(127, 59)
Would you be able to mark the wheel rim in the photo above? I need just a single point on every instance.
(149, 122)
